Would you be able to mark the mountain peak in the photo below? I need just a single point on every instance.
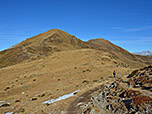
(56, 40)
(56, 31)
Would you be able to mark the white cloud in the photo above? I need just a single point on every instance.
(117, 28)
(140, 41)
(138, 29)
(147, 38)
(143, 28)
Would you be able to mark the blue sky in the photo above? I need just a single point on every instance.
(126, 23)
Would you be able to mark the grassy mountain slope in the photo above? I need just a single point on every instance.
(118, 52)
(39, 46)
(55, 63)
(55, 40)
(58, 74)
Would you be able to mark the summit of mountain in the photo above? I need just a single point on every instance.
(39, 46)
(53, 37)
(55, 40)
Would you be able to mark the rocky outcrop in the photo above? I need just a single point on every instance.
(127, 96)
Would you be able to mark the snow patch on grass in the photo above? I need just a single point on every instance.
(9, 113)
(60, 98)
(2, 101)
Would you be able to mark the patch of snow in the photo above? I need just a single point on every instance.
(9, 113)
(23, 92)
(125, 75)
(2, 101)
(60, 98)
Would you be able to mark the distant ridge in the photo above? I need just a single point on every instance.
(145, 53)
(56, 40)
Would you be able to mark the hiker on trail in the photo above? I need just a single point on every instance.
(114, 73)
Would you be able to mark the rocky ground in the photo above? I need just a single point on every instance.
(129, 95)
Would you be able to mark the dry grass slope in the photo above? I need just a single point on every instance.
(119, 53)
(56, 63)
(55, 40)
(40, 46)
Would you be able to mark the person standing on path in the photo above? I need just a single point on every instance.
(114, 73)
